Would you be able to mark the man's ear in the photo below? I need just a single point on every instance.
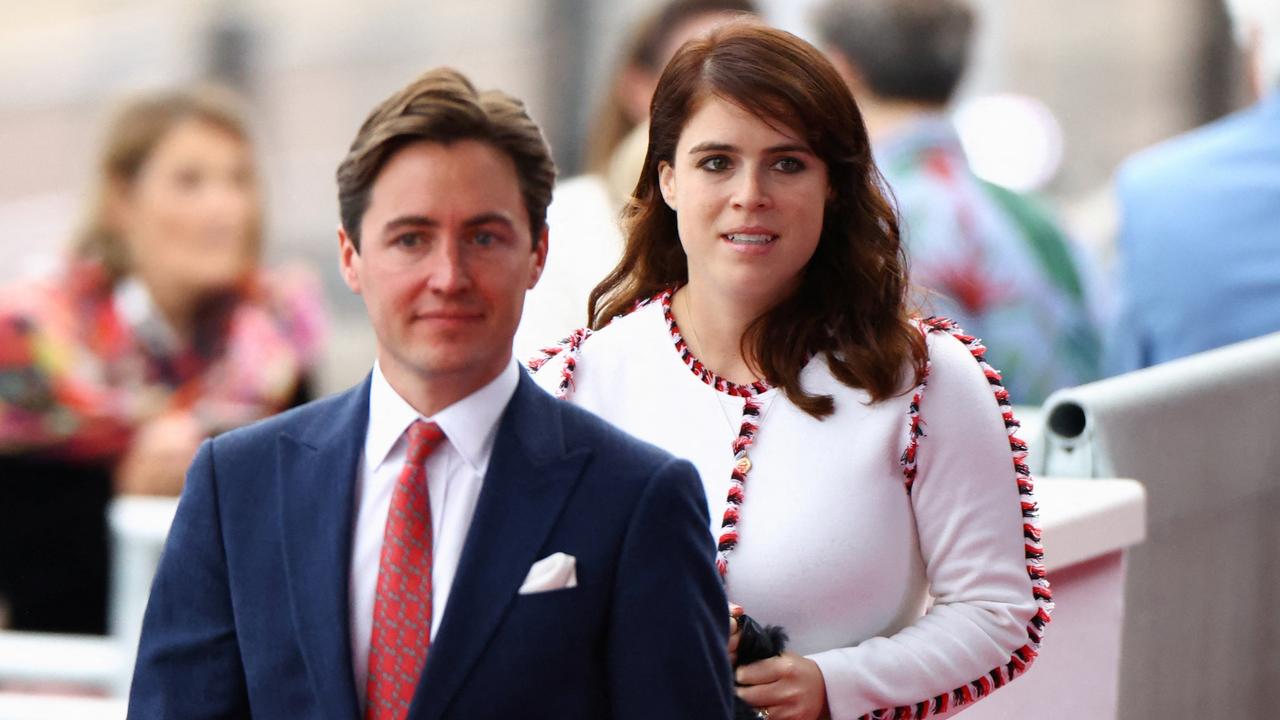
(349, 260)
(1253, 59)
(667, 183)
(540, 249)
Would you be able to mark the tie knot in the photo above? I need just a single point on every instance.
(424, 438)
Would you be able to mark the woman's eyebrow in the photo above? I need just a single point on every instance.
(789, 147)
(712, 146)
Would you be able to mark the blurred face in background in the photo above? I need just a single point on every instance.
(189, 218)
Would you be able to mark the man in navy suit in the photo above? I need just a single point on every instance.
(445, 540)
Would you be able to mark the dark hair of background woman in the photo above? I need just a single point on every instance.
(851, 304)
(643, 51)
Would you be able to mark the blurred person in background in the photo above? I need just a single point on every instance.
(987, 257)
(161, 329)
(586, 240)
(1199, 240)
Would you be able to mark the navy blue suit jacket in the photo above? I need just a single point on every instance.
(248, 614)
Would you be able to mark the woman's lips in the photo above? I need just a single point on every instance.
(750, 238)
(755, 242)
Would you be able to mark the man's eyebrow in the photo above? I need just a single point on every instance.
(409, 220)
(489, 217)
(424, 221)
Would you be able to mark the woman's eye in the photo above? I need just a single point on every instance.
(789, 165)
(715, 163)
(242, 178)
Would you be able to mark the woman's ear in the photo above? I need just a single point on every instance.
(667, 183)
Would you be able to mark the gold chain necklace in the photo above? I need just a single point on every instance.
(743, 464)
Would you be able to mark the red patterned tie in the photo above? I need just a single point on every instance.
(402, 602)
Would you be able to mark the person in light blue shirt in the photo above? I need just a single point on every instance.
(1199, 242)
(993, 260)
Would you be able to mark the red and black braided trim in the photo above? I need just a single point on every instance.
(1021, 658)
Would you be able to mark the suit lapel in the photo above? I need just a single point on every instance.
(316, 473)
(529, 479)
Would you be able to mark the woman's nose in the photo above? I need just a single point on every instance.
(750, 192)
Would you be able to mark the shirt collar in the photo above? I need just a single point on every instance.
(470, 425)
(926, 131)
(134, 303)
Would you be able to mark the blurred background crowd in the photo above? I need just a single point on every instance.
(168, 249)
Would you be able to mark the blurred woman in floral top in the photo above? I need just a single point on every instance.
(160, 330)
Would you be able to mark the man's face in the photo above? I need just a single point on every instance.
(445, 258)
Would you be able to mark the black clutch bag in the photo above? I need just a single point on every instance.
(756, 643)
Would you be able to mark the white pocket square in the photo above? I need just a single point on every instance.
(553, 572)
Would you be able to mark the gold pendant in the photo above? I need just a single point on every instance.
(743, 465)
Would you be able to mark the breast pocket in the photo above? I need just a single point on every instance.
(564, 618)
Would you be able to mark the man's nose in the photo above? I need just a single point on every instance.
(449, 268)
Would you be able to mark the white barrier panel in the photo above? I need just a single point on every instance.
(1088, 527)
(1203, 435)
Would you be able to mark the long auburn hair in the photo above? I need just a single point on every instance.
(851, 302)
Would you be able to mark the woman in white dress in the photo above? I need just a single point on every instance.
(865, 484)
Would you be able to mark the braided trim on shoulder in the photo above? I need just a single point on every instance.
(572, 345)
(1034, 550)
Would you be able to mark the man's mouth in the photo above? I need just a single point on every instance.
(450, 316)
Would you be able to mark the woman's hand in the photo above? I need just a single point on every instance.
(158, 456)
(789, 687)
(735, 632)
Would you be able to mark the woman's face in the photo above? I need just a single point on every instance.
(749, 201)
(188, 218)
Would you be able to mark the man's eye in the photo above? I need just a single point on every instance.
(484, 239)
(789, 165)
(715, 163)
(408, 240)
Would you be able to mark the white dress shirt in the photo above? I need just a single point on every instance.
(455, 472)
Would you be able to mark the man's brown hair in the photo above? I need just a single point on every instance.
(442, 106)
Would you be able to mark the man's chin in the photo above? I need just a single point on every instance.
(460, 365)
